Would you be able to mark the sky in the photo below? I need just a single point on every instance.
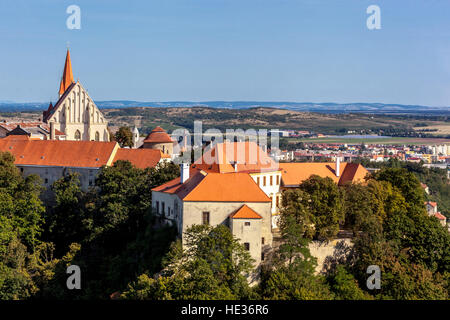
(203, 50)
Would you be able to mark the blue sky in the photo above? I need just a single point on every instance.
(273, 50)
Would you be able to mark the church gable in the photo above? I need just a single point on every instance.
(75, 106)
(75, 113)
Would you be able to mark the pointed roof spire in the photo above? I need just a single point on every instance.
(67, 78)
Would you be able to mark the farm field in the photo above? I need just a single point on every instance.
(387, 140)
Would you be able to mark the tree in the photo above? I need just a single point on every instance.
(326, 205)
(344, 285)
(124, 137)
(213, 265)
(68, 220)
(20, 227)
(292, 273)
(408, 184)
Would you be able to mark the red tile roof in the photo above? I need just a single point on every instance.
(440, 216)
(141, 158)
(248, 157)
(293, 174)
(431, 203)
(216, 187)
(92, 154)
(158, 135)
(16, 137)
(245, 212)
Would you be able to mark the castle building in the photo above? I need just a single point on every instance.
(75, 113)
(53, 159)
(240, 186)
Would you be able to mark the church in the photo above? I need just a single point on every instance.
(75, 113)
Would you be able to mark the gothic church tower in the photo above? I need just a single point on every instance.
(75, 113)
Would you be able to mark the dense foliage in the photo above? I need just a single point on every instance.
(124, 137)
(124, 252)
(109, 231)
(435, 178)
(213, 265)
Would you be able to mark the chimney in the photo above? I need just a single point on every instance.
(184, 172)
(52, 130)
(338, 166)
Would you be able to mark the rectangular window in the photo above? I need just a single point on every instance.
(46, 180)
(247, 246)
(157, 207)
(205, 218)
(258, 182)
(271, 180)
(278, 180)
(262, 240)
(278, 201)
(262, 256)
(247, 223)
(264, 181)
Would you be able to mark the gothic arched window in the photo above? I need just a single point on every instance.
(97, 136)
(77, 135)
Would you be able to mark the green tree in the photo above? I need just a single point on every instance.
(291, 275)
(213, 265)
(407, 183)
(20, 227)
(326, 205)
(344, 285)
(124, 137)
(68, 220)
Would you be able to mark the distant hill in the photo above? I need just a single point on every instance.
(373, 108)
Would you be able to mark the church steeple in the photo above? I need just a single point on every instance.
(67, 78)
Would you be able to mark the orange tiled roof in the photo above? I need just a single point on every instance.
(293, 174)
(92, 154)
(140, 158)
(216, 187)
(16, 137)
(248, 156)
(245, 212)
(158, 135)
(440, 216)
(67, 78)
(431, 203)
